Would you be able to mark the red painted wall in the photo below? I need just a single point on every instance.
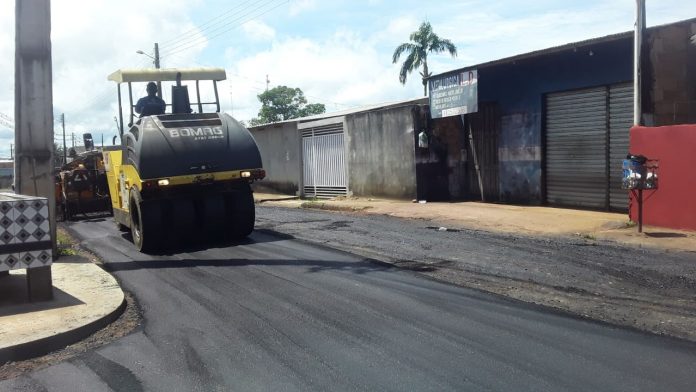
(673, 205)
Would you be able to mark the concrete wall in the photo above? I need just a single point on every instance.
(673, 204)
(380, 153)
(281, 156)
(671, 74)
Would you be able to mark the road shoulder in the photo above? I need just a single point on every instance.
(86, 299)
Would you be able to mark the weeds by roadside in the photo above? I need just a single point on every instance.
(588, 236)
(66, 244)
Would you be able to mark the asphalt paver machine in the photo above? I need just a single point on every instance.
(81, 186)
(182, 174)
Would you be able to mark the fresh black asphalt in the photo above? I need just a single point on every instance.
(277, 314)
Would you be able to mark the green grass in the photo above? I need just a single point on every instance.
(62, 238)
(65, 244)
(67, 252)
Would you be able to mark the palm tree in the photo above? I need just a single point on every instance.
(423, 41)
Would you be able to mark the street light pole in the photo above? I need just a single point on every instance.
(156, 62)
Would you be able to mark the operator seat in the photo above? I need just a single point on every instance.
(180, 100)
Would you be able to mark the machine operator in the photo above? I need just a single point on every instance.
(152, 104)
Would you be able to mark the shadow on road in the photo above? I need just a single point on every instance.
(199, 243)
(14, 297)
(665, 235)
(313, 266)
(90, 217)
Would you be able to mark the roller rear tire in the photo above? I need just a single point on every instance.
(241, 213)
(146, 223)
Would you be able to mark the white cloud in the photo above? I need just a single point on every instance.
(258, 31)
(342, 71)
(299, 6)
(87, 48)
(6, 69)
(347, 65)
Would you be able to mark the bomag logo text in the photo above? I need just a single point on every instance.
(197, 133)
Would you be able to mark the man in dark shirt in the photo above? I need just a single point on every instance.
(152, 104)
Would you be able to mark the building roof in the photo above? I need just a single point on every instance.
(357, 109)
(560, 48)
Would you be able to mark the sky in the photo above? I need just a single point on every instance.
(338, 52)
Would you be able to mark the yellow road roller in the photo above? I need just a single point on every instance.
(185, 173)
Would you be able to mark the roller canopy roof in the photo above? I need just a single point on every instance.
(167, 74)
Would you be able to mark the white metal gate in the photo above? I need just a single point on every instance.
(324, 163)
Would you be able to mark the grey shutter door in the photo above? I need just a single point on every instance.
(324, 164)
(576, 124)
(620, 122)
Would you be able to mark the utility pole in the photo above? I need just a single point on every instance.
(102, 135)
(11, 151)
(73, 139)
(156, 62)
(267, 82)
(157, 58)
(34, 122)
(65, 148)
(637, 56)
(157, 66)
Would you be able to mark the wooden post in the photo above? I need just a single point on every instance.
(476, 164)
(640, 210)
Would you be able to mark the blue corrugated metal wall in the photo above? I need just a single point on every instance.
(519, 89)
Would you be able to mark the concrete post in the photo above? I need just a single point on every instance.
(34, 120)
(637, 56)
(157, 66)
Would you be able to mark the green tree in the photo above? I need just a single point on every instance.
(284, 103)
(423, 42)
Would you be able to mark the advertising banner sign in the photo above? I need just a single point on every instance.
(454, 94)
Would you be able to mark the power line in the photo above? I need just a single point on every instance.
(198, 41)
(7, 121)
(212, 25)
(102, 98)
(229, 19)
(199, 29)
(261, 89)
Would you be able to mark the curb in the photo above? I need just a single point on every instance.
(259, 201)
(59, 341)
